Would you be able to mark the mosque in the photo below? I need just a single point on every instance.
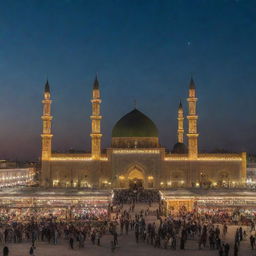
(135, 157)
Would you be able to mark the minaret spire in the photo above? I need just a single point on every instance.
(192, 84)
(96, 118)
(192, 121)
(47, 119)
(96, 83)
(180, 118)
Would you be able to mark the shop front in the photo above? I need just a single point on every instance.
(235, 203)
(78, 205)
(177, 205)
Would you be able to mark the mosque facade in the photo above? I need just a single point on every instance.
(135, 157)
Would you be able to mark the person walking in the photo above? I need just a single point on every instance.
(55, 236)
(98, 236)
(220, 250)
(226, 249)
(183, 239)
(115, 238)
(126, 226)
(252, 241)
(137, 232)
(225, 230)
(236, 249)
(93, 237)
(240, 234)
(122, 225)
(71, 243)
(5, 251)
(174, 242)
(31, 251)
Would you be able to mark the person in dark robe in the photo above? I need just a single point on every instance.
(5, 251)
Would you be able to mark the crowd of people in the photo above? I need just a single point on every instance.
(52, 231)
(228, 216)
(142, 217)
(139, 195)
(173, 233)
(208, 228)
(92, 213)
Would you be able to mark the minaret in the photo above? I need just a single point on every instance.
(96, 118)
(47, 118)
(180, 118)
(192, 122)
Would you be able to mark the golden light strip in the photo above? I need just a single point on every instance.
(203, 159)
(136, 151)
(71, 158)
(80, 158)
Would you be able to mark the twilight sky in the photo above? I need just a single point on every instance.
(143, 50)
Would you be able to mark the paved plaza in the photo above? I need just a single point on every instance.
(128, 246)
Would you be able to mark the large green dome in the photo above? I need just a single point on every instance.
(135, 124)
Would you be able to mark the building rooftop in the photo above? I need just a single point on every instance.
(56, 192)
(197, 192)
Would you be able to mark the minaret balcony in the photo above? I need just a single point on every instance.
(46, 135)
(96, 135)
(96, 100)
(192, 99)
(46, 118)
(96, 117)
(193, 134)
(192, 117)
(46, 101)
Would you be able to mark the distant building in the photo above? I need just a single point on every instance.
(251, 171)
(136, 157)
(10, 177)
(7, 164)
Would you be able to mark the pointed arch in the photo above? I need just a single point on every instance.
(135, 165)
(135, 174)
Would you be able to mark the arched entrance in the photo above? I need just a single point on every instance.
(136, 178)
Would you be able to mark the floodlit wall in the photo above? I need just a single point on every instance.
(152, 167)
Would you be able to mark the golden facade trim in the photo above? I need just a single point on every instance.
(136, 151)
(71, 158)
(75, 157)
(203, 159)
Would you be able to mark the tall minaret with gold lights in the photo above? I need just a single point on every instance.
(180, 118)
(47, 119)
(192, 122)
(96, 118)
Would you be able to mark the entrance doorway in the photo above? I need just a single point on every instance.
(136, 179)
(135, 184)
